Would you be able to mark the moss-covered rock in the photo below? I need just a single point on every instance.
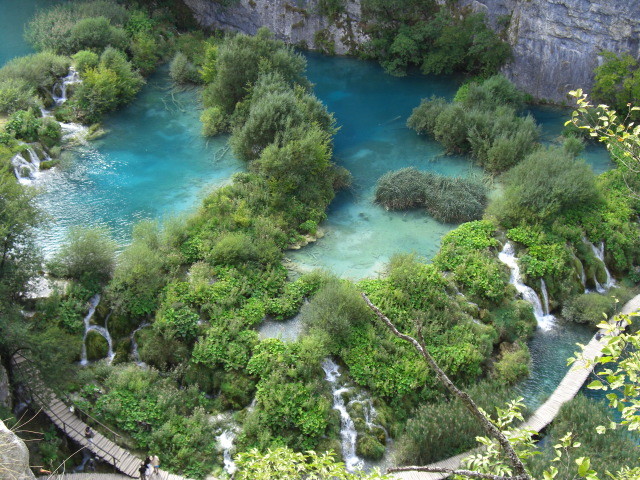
(368, 446)
(97, 346)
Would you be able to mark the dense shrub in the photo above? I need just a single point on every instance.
(514, 321)
(182, 71)
(482, 122)
(24, 125)
(591, 308)
(213, 121)
(617, 80)
(40, 71)
(581, 416)
(433, 38)
(16, 94)
(545, 184)
(106, 87)
(446, 199)
(512, 364)
(425, 440)
(87, 255)
(240, 59)
(70, 27)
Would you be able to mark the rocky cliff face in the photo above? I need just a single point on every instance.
(14, 456)
(555, 42)
(296, 22)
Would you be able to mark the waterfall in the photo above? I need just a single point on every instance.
(348, 430)
(599, 253)
(545, 296)
(134, 346)
(59, 91)
(93, 303)
(583, 276)
(225, 441)
(508, 257)
(24, 170)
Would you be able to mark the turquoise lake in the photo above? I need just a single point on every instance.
(154, 163)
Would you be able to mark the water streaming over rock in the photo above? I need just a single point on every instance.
(88, 327)
(508, 257)
(59, 91)
(545, 296)
(347, 427)
(599, 253)
(225, 441)
(134, 346)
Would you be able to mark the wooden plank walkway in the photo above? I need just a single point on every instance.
(86, 476)
(67, 421)
(544, 415)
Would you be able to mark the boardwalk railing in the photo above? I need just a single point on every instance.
(543, 416)
(66, 420)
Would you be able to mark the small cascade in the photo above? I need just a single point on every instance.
(59, 91)
(74, 132)
(24, 170)
(225, 441)
(93, 303)
(348, 430)
(545, 296)
(599, 253)
(134, 346)
(508, 257)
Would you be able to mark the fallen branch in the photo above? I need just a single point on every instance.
(520, 472)
(451, 471)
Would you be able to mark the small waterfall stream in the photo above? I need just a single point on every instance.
(508, 257)
(545, 296)
(599, 253)
(59, 90)
(225, 441)
(134, 346)
(93, 303)
(348, 430)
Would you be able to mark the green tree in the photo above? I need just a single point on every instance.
(87, 255)
(617, 81)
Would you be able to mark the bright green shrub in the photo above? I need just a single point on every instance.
(96, 34)
(213, 121)
(494, 92)
(545, 184)
(513, 363)
(423, 117)
(182, 72)
(514, 321)
(24, 125)
(84, 60)
(589, 308)
(16, 94)
(146, 52)
(49, 132)
(40, 71)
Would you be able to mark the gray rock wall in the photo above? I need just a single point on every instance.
(295, 21)
(14, 456)
(555, 43)
(5, 389)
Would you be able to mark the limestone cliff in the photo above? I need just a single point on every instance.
(14, 456)
(295, 22)
(555, 42)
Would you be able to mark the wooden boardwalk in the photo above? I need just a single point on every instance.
(86, 476)
(544, 415)
(66, 420)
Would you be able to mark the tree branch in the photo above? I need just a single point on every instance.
(452, 471)
(491, 430)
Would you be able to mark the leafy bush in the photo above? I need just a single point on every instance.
(545, 184)
(57, 29)
(494, 92)
(514, 321)
(589, 308)
(513, 363)
(87, 255)
(446, 199)
(24, 125)
(213, 121)
(182, 71)
(240, 59)
(16, 94)
(423, 117)
(425, 440)
(40, 71)
(84, 60)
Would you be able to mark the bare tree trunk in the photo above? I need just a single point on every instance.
(518, 467)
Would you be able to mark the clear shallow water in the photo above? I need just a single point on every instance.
(372, 109)
(14, 15)
(550, 350)
(152, 163)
